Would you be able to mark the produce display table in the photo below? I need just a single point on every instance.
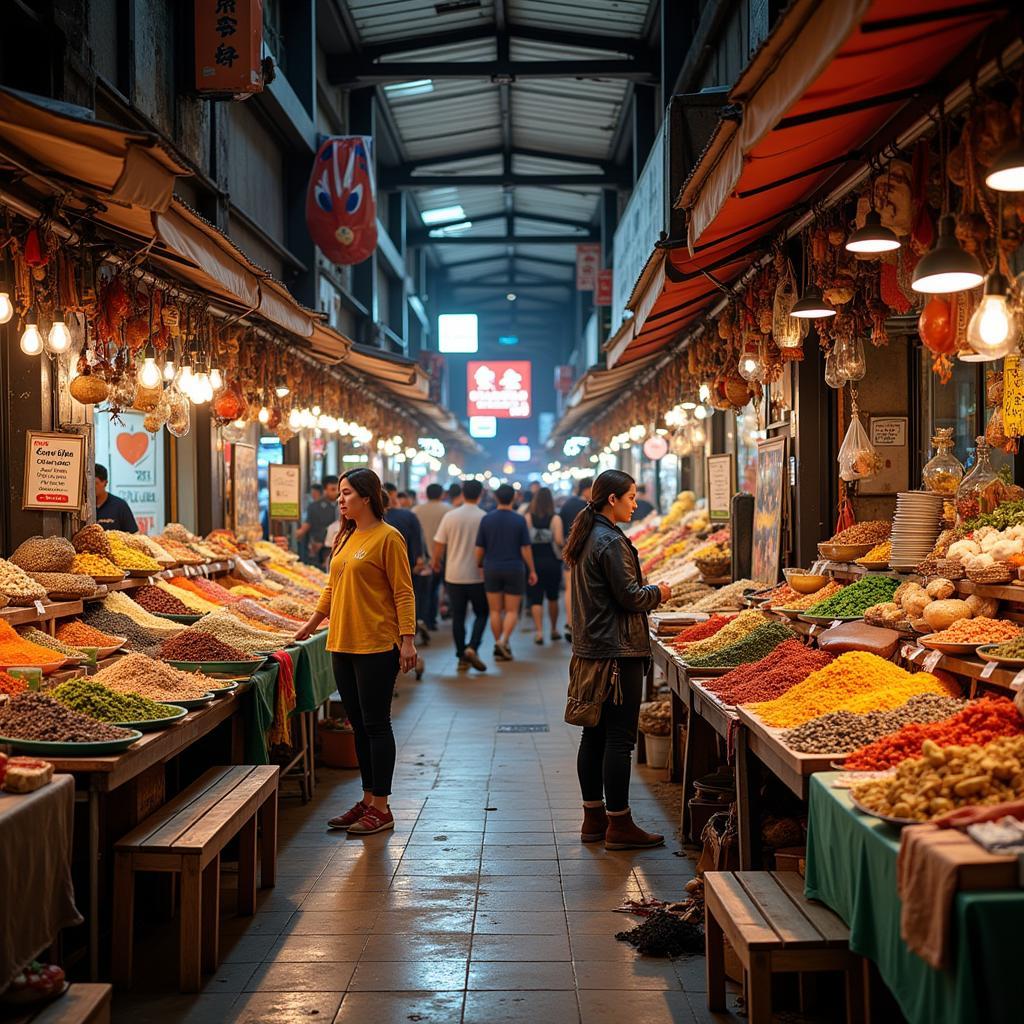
(35, 872)
(851, 867)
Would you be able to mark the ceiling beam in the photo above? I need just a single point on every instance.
(519, 257)
(589, 236)
(423, 236)
(468, 34)
(395, 179)
(509, 285)
(605, 166)
(346, 71)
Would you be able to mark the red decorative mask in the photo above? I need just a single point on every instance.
(341, 201)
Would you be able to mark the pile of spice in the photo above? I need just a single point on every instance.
(252, 623)
(744, 623)
(1013, 649)
(122, 604)
(778, 596)
(871, 532)
(130, 558)
(291, 607)
(945, 778)
(790, 663)
(34, 716)
(842, 731)
(804, 601)
(753, 647)
(76, 633)
(11, 684)
(195, 604)
(856, 598)
(137, 638)
(105, 705)
(251, 610)
(16, 650)
(17, 586)
(979, 722)
(855, 681)
(37, 636)
(981, 630)
(137, 673)
(230, 630)
(153, 599)
(701, 630)
(200, 646)
(203, 588)
(879, 553)
(723, 599)
(96, 566)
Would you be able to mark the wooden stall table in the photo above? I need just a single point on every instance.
(142, 767)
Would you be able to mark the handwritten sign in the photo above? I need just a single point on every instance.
(721, 486)
(283, 483)
(1013, 396)
(889, 431)
(54, 465)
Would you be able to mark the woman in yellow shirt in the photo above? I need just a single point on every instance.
(371, 613)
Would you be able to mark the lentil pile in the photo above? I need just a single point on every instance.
(979, 722)
(16, 650)
(200, 646)
(732, 632)
(805, 601)
(37, 636)
(139, 674)
(139, 638)
(753, 647)
(981, 630)
(701, 630)
(106, 705)
(229, 630)
(854, 599)
(855, 681)
(790, 663)
(77, 634)
(153, 599)
(870, 532)
(843, 731)
(34, 716)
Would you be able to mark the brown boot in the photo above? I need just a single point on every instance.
(623, 834)
(595, 824)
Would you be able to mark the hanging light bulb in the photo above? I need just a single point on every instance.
(149, 373)
(946, 267)
(994, 329)
(6, 308)
(873, 237)
(31, 339)
(58, 338)
(812, 305)
(751, 367)
(169, 369)
(185, 377)
(201, 390)
(216, 379)
(281, 388)
(1006, 173)
(832, 378)
(263, 415)
(295, 420)
(851, 363)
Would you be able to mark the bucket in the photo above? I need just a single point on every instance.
(658, 748)
(337, 748)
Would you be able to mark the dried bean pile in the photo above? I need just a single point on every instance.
(34, 716)
(753, 647)
(37, 636)
(139, 637)
(665, 934)
(790, 663)
(105, 705)
(153, 599)
(122, 604)
(200, 646)
(135, 673)
(842, 731)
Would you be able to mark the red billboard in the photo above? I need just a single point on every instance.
(498, 388)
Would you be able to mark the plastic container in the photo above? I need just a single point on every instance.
(337, 747)
(658, 749)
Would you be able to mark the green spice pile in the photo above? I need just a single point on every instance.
(37, 636)
(100, 702)
(852, 601)
(1011, 649)
(731, 633)
(843, 731)
(753, 647)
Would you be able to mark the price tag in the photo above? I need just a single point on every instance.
(1017, 682)
(990, 667)
(836, 622)
(40, 608)
(151, 580)
(911, 652)
(933, 659)
(205, 570)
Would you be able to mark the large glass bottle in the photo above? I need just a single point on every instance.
(943, 472)
(980, 490)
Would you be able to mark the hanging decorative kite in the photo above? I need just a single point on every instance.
(341, 199)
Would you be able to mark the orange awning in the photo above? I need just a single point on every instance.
(593, 392)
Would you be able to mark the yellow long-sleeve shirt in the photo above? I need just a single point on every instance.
(369, 597)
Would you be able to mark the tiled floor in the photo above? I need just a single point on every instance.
(482, 906)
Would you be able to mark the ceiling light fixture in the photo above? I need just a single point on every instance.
(873, 237)
(947, 267)
(1007, 171)
(812, 305)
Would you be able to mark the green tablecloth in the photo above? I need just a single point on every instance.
(314, 677)
(258, 713)
(851, 867)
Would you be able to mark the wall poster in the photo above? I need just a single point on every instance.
(245, 503)
(721, 474)
(768, 501)
(54, 468)
(285, 492)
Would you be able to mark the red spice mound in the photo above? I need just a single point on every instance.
(701, 630)
(195, 645)
(982, 721)
(790, 663)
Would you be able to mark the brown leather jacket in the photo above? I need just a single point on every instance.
(609, 599)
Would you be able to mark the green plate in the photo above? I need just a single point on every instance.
(187, 619)
(71, 749)
(152, 724)
(222, 668)
(188, 705)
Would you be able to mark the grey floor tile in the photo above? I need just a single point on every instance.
(520, 1007)
(284, 1007)
(534, 948)
(400, 1008)
(604, 1007)
(417, 946)
(410, 976)
(520, 976)
(290, 976)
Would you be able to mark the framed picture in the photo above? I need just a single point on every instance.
(54, 471)
(245, 493)
(768, 499)
(721, 472)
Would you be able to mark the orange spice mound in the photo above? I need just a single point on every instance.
(78, 634)
(16, 650)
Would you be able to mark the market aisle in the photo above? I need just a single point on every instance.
(482, 906)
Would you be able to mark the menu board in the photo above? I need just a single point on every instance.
(54, 468)
(245, 493)
(283, 484)
(721, 475)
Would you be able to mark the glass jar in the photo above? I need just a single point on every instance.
(851, 363)
(943, 472)
(832, 378)
(980, 490)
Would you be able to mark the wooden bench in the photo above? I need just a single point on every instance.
(186, 837)
(773, 928)
(80, 1004)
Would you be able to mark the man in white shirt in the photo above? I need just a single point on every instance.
(430, 513)
(455, 541)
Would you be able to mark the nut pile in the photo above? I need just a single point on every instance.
(44, 554)
(106, 705)
(153, 599)
(34, 716)
(843, 731)
(871, 532)
(92, 539)
(71, 583)
(136, 673)
(656, 717)
(200, 646)
(17, 586)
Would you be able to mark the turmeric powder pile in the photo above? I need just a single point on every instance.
(856, 681)
(16, 650)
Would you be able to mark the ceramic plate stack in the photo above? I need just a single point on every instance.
(915, 528)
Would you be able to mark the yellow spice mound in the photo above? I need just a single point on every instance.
(857, 682)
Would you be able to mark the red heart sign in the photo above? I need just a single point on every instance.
(132, 446)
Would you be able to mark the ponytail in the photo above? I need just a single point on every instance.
(611, 481)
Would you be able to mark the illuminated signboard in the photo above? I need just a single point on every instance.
(483, 426)
(500, 389)
(519, 453)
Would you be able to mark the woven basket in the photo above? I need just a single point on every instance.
(950, 568)
(714, 566)
(999, 572)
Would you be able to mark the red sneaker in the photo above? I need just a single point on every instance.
(372, 821)
(349, 817)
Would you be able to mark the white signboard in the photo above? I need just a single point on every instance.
(53, 471)
(283, 484)
(135, 466)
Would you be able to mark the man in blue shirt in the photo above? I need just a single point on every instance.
(112, 512)
(503, 549)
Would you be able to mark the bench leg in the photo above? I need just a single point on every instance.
(211, 915)
(714, 953)
(189, 971)
(855, 985)
(123, 917)
(247, 868)
(759, 989)
(268, 842)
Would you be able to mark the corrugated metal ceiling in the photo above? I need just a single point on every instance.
(601, 17)
(379, 21)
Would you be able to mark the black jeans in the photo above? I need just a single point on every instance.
(434, 605)
(366, 684)
(460, 596)
(606, 749)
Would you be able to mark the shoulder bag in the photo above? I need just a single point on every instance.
(591, 680)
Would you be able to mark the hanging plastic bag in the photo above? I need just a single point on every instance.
(858, 458)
